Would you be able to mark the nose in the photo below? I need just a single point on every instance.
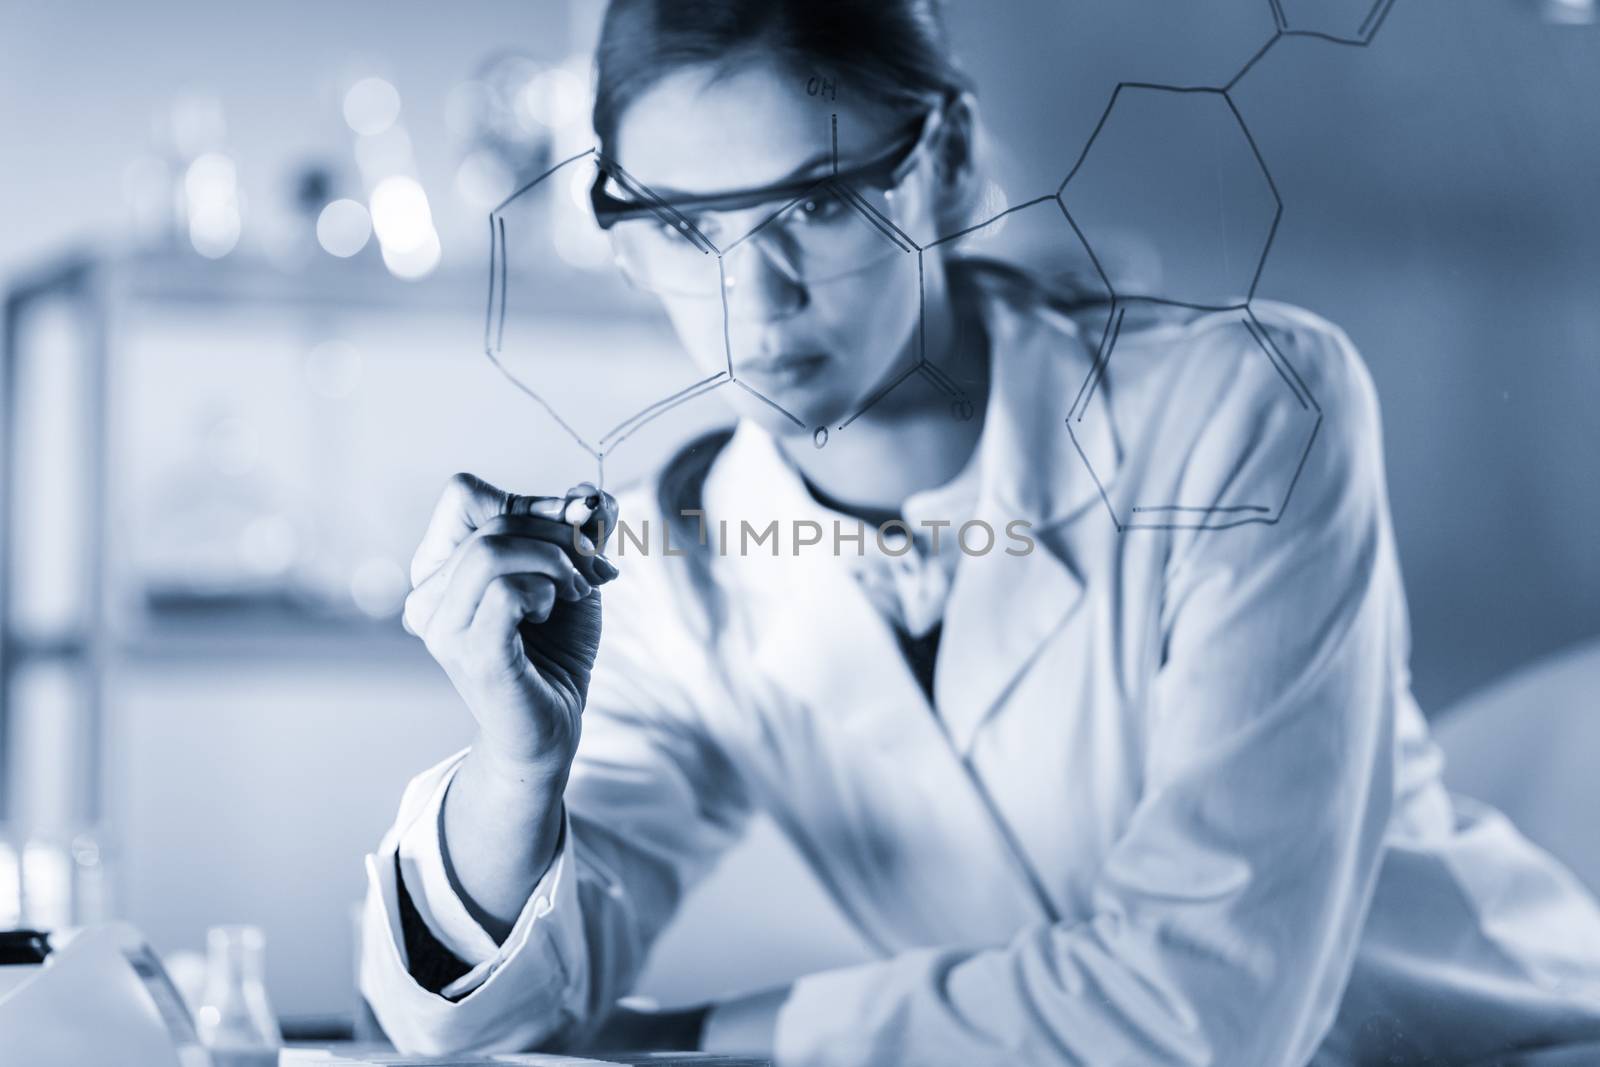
(761, 283)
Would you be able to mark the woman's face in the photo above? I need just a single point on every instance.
(817, 342)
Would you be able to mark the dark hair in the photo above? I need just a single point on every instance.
(890, 53)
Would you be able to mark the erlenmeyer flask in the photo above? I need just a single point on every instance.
(235, 1020)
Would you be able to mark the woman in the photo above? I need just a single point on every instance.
(1097, 796)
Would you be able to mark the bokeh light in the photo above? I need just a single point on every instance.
(343, 228)
(416, 262)
(371, 106)
(211, 200)
(400, 214)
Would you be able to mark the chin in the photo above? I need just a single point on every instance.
(812, 407)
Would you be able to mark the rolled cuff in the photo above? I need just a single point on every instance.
(516, 994)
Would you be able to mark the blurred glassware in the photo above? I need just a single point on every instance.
(58, 880)
(10, 881)
(187, 969)
(92, 882)
(235, 1020)
(46, 881)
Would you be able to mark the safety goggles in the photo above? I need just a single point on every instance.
(814, 229)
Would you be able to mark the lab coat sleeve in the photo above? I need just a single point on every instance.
(440, 911)
(650, 803)
(1224, 920)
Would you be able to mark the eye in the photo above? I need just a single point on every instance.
(818, 209)
(675, 229)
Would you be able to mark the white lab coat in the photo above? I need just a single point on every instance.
(1173, 802)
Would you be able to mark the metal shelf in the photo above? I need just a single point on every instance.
(97, 285)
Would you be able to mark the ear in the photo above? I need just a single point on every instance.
(956, 150)
(956, 159)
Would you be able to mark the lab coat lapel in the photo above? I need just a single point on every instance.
(818, 639)
(817, 632)
(957, 876)
(1003, 607)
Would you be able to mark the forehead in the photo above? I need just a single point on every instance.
(694, 131)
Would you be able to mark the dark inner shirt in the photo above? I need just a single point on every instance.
(920, 652)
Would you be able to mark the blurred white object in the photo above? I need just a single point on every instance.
(1528, 745)
(1568, 12)
(235, 1020)
(10, 881)
(46, 882)
(187, 969)
(404, 224)
(65, 879)
(211, 190)
(99, 998)
(92, 881)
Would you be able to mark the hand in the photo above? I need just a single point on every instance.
(505, 598)
(631, 1030)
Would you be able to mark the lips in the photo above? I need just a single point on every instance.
(784, 371)
(785, 363)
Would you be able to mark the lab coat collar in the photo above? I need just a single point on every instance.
(1001, 607)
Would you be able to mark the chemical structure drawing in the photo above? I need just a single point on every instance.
(1196, 108)
(1142, 169)
(1231, 366)
(863, 234)
(701, 265)
(578, 170)
(1351, 22)
(1205, 143)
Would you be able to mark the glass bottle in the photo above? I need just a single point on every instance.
(10, 881)
(46, 881)
(91, 877)
(235, 1020)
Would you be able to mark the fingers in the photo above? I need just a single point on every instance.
(507, 601)
(586, 507)
(469, 503)
(579, 550)
(448, 600)
(466, 504)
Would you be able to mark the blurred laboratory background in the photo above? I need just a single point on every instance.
(245, 258)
